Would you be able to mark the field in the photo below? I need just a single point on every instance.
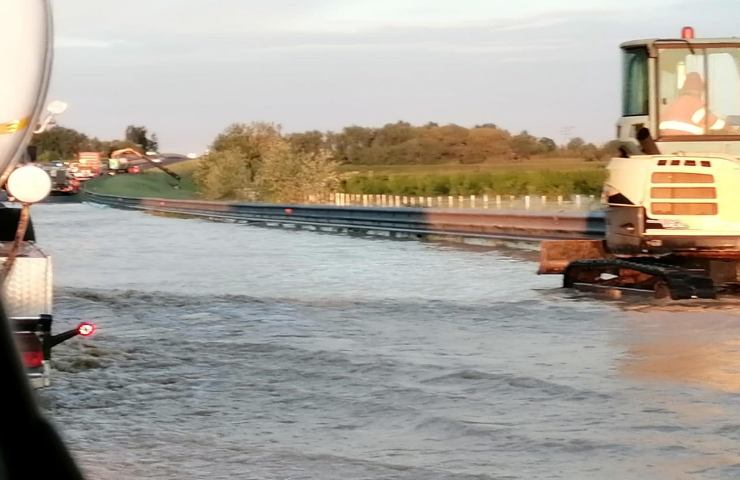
(538, 176)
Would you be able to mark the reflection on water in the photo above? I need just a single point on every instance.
(696, 345)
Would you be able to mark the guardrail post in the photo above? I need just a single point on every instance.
(560, 200)
(450, 201)
(404, 201)
(527, 202)
(578, 201)
(544, 201)
(498, 201)
(397, 201)
(485, 201)
(460, 201)
(430, 202)
(364, 200)
(472, 201)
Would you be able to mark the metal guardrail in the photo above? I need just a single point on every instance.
(422, 222)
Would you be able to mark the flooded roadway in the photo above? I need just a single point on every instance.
(228, 351)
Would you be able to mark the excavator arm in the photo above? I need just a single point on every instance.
(130, 152)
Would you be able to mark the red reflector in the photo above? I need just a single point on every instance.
(687, 33)
(86, 329)
(33, 359)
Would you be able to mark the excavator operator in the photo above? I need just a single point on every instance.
(687, 114)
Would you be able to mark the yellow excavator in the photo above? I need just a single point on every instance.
(120, 162)
(673, 196)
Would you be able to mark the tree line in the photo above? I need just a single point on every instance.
(397, 143)
(259, 161)
(62, 144)
(401, 143)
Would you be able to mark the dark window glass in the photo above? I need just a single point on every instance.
(635, 82)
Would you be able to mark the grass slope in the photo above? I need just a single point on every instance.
(151, 183)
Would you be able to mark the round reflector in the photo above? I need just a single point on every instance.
(687, 33)
(86, 329)
(29, 184)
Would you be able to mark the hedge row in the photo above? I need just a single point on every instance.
(588, 182)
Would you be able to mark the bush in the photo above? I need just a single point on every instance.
(255, 160)
(224, 175)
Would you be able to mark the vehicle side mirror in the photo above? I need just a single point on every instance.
(57, 107)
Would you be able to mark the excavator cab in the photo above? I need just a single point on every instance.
(659, 73)
(672, 198)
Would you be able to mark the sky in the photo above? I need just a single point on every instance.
(186, 69)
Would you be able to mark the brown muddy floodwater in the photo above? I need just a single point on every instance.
(228, 351)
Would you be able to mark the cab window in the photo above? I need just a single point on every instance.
(635, 72)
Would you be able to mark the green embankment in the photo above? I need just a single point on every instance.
(151, 183)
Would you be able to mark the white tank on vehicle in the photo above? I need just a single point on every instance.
(26, 52)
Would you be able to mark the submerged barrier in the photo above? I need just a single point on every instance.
(391, 221)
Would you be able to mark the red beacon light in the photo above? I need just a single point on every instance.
(85, 329)
(687, 33)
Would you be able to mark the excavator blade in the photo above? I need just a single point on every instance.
(555, 255)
